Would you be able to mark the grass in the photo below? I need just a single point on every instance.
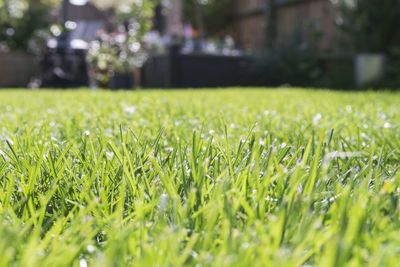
(199, 178)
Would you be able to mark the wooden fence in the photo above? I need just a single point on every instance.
(262, 22)
(17, 69)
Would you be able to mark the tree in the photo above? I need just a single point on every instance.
(209, 16)
(21, 21)
(137, 13)
(371, 25)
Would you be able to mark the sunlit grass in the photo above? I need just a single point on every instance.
(199, 178)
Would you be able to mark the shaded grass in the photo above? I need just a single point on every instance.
(206, 178)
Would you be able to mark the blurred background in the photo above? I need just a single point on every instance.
(123, 44)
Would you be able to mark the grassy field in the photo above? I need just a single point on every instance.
(199, 178)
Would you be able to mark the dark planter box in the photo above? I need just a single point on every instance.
(178, 70)
(121, 81)
(64, 68)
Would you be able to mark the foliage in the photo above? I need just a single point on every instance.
(22, 23)
(287, 64)
(371, 25)
(391, 77)
(211, 178)
(214, 16)
(137, 12)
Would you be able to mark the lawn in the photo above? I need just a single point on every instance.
(234, 177)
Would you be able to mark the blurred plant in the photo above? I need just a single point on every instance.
(287, 65)
(372, 26)
(115, 53)
(121, 50)
(392, 70)
(136, 13)
(23, 24)
(292, 60)
(154, 43)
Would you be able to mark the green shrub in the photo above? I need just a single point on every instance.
(22, 24)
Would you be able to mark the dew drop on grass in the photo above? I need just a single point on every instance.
(83, 262)
(188, 170)
(300, 189)
(169, 149)
(317, 118)
(110, 155)
(382, 116)
(271, 199)
(245, 246)
(108, 132)
(363, 144)
(89, 218)
(364, 135)
(163, 205)
(387, 125)
(130, 110)
(90, 249)
(7, 139)
(194, 254)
